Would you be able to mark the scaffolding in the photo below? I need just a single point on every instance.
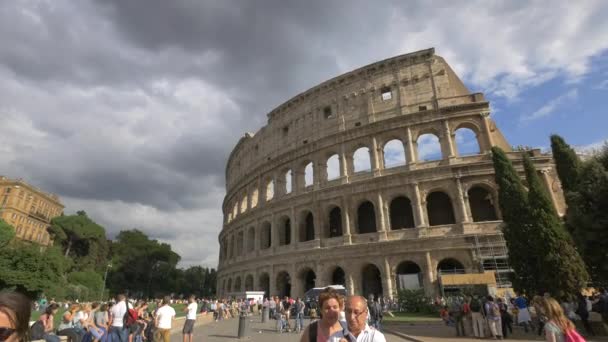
(492, 254)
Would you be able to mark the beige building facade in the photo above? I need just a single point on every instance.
(28, 209)
(315, 196)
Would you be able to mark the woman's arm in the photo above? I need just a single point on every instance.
(549, 336)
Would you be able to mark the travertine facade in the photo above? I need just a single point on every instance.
(285, 231)
(28, 209)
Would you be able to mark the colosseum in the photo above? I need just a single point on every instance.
(361, 181)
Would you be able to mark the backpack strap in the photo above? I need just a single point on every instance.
(312, 331)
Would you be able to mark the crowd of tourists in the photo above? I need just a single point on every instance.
(494, 317)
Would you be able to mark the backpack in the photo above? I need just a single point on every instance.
(37, 330)
(475, 305)
(495, 310)
(312, 331)
(573, 336)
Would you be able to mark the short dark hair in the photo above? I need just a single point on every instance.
(329, 293)
(49, 309)
(166, 300)
(18, 309)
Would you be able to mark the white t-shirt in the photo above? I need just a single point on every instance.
(165, 314)
(118, 312)
(192, 311)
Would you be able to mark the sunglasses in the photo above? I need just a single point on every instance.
(5, 333)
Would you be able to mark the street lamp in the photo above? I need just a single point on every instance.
(105, 277)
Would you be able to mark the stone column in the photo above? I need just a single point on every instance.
(447, 144)
(462, 202)
(294, 227)
(375, 158)
(318, 220)
(410, 148)
(352, 281)
(429, 286)
(344, 172)
(419, 218)
(272, 283)
(486, 130)
(387, 280)
(381, 219)
(321, 173)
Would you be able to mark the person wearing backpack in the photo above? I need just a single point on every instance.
(558, 328)
(493, 318)
(164, 319)
(118, 316)
(477, 318)
(328, 328)
(43, 328)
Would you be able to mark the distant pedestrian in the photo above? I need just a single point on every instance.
(190, 319)
(477, 318)
(493, 318)
(164, 319)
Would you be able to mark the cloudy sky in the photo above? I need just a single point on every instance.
(128, 109)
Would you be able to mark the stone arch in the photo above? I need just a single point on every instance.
(266, 235)
(439, 209)
(450, 266)
(362, 160)
(237, 284)
(307, 278)
(229, 285)
(338, 276)
(264, 282)
(240, 240)
(333, 167)
(466, 140)
(335, 222)
(309, 172)
(482, 205)
(409, 275)
(288, 185)
(249, 283)
(366, 218)
(307, 226)
(401, 214)
(254, 197)
(251, 239)
(283, 284)
(270, 190)
(393, 153)
(284, 231)
(244, 203)
(371, 281)
(235, 209)
(428, 147)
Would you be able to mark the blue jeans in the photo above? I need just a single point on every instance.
(119, 334)
(299, 321)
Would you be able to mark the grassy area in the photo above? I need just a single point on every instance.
(408, 317)
(179, 310)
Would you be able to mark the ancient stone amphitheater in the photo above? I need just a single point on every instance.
(342, 186)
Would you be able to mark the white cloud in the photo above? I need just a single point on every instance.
(602, 85)
(550, 107)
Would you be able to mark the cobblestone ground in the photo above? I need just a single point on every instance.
(227, 330)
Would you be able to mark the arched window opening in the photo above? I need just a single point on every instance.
(232, 247)
(285, 232)
(288, 186)
(249, 283)
(307, 232)
(401, 213)
(254, 198)
(371, 281)
(450, 266)
(335, 222)
(394, 154)
(239, 243)
(429, 147)
(409, 276)
(244, 204)
(251, 239)
(361, 160)
(265, 284)
(308, 279)
(270, 190)
(283, 284)
(333, 167)
(229, 286)
(439, 209)
(235, 210)
(308, 174)
(366, 218)
(338, 277)
(466, 142)
(266, 235)
(237, 284)
(482, 205)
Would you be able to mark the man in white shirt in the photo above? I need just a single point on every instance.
(190, 319)
(118, 332)
(356, 317)
(164, 319)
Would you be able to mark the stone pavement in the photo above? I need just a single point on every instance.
(227, 330)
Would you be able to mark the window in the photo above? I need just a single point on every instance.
(285, 130)
(327, 113)
(421, 108)
(386, 93)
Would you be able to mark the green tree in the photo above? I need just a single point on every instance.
(562, 271)
(7, 233)
(513, 202)
(567, 163)
(90, 280)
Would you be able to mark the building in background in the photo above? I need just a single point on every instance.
(28, 209)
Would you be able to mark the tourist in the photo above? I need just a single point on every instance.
(272, 304)
(582, 310)
(505, 318)
(537, 303)
(101, 320)
(493, 318)
(375, 312)
(44, 327)
(286, 309)
(89, 322)
(190, 319)
(456, 312)
(444, 313)
(557, 327)
(356, 317)
(328, 328)
(477, 318)
(164, 319)
(67, 327)
(523, 313)
(118, 331)
(299, 315)
(15, 311)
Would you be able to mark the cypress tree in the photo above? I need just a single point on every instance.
(562, 271)
(567, 163)
(513, 202)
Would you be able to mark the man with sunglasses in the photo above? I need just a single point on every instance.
(356, 317)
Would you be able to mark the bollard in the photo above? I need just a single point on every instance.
(243, 325)
(265, 314)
